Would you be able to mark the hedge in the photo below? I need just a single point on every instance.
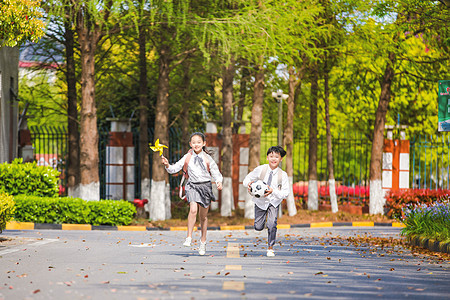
(28, 178)
(6, 210)
(70, 210)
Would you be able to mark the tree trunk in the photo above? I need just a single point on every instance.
(88, 38)
(158, 194)
(73, 162)
(331, 181)
(313, 197)
(143, 118)
(376, 192)
(242, 95)
(255, 135)
(227, 143)
(186, 104)
(289, 141)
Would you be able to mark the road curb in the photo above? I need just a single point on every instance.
(42, 226)
(430, 244)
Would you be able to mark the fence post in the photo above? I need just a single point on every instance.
(395, 171)
(120, 161)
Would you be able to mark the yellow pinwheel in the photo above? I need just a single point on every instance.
(158, 147)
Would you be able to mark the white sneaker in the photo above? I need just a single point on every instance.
(202, 248)
(187, 242)
(270, 252)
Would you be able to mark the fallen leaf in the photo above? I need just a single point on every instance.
(36, 291)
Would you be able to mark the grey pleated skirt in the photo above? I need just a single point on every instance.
(200, 192)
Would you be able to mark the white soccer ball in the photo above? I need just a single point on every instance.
(258, 189)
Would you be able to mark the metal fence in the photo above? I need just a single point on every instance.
(351, 156)
(50, 149)
(429, 160)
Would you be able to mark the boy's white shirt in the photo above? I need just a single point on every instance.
(195, 171)
(277, 195)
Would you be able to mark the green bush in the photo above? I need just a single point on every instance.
(6, 209)
(29, 179)
(431, 221)
(73, 211)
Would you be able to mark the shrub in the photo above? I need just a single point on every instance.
(6, 209)
(73, 211)
(432, 221)
(399, 199)
(28, 178)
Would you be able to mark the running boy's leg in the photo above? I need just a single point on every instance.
(193, 207)
(272, 218)
(203, 214)
(260, 218)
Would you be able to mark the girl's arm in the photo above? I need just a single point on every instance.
(215, 173)
(176, 167)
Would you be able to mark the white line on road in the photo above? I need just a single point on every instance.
(22, 247)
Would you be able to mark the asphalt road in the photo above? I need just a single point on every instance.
(313, 263)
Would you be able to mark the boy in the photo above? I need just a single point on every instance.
(266, 208)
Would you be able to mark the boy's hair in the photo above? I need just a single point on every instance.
(277, 149)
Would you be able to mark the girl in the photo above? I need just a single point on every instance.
(201, 168)
(266, 208)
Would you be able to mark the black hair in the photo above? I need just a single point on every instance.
(277, 149)
(202, 136)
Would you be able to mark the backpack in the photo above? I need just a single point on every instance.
(263, 174)
(185, 173)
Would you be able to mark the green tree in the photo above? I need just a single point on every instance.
(20, 21)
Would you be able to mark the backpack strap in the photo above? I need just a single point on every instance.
(186, 162)
(280, 179)
(263, 172)
(185, 174)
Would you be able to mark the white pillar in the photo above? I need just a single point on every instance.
(227, 197)
(290, 201)
(313, 195)
(157, 203)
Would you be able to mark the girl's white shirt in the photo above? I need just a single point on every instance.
(278, 194)
(195, 171)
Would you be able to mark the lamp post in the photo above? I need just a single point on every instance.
(279, 97)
